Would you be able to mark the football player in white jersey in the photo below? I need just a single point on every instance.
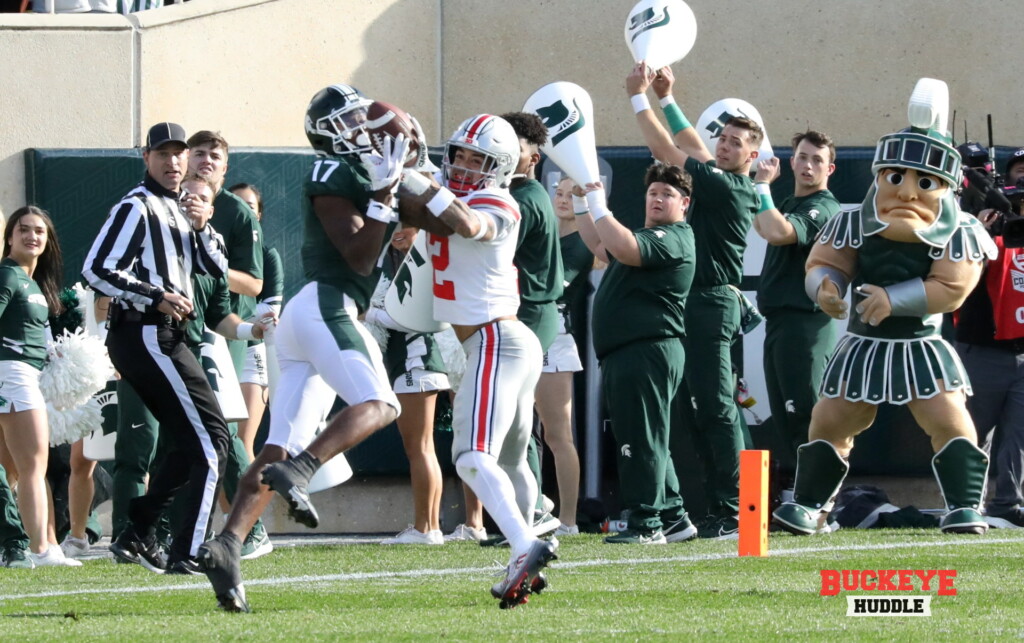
(476, 291)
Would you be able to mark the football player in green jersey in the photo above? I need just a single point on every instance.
(348, 218)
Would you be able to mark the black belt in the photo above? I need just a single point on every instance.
(148, 318)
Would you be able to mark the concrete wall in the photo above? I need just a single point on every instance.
(249, 67)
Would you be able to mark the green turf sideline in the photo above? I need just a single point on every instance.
(202, 584)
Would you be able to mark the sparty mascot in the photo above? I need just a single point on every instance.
(910, 255)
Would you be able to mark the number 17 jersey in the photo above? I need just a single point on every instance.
(477, 281)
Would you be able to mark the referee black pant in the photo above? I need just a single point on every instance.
(154, 359)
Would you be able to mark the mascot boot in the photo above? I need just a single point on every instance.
(820, 471)
(961, 469)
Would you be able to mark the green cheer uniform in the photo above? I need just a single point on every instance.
(638, 326)
(722, 210)
(24, 317)
(243, 238)
(577, 261)
(273, 283)
(408, 351)
(799, 337)
(538, 260)
(904, 357)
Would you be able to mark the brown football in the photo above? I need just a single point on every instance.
(385, 119)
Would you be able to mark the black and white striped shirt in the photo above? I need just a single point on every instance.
(147, 247)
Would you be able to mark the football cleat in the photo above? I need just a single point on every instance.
(282, 478)
(523, 575)
(220, 563)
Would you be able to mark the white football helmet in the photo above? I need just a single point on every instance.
(491, 136)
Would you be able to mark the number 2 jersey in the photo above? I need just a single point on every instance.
(477, 281)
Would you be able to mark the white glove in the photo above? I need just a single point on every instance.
(385, 169)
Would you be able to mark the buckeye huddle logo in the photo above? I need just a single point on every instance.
(874, 581)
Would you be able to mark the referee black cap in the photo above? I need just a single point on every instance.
(163, 133)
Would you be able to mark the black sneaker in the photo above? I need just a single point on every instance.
(1010, 519)
(725, 528)
(290, 485)
(130, 548)
(220, 563)
(680, 531)
(15, 557)
(186, 567)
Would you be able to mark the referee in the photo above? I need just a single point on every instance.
(144, 257)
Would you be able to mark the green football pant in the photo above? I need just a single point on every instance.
(797, 347)
(639, 382)
(134, 450)
(712, 324)
(12, 531)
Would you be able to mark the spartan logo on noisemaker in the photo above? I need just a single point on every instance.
(647, 20)
(561, 121)
(875, 581)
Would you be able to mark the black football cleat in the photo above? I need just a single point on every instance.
(221, 566)
(130, 548)
(282, 478)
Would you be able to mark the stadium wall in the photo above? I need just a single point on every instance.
(248, 67)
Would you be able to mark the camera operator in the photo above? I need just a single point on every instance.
(990, 341)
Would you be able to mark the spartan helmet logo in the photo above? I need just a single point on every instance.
(403, 280)
(716, 125)
(561, 121)
(647, 20)
(626, 452)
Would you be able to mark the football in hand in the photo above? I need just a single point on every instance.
(384, 119)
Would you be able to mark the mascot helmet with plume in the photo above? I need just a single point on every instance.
(925, 146)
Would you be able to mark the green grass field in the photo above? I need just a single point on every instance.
(684, 591)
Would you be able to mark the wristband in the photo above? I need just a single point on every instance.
(674, 116)
(639, 102)
(380, 212)
(440, 202)
(665, 101)
(766, 197)
(579, 205)
(908, 298)
(598, 205)
(244, 331)
(415, 182)
(485, 225)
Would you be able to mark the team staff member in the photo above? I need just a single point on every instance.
(723, 209)
(321, 345)
(641, 353)
(30, 275)
(145, 256)
(799, 336)
(243, 238)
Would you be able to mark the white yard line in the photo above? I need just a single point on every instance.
(202, 584)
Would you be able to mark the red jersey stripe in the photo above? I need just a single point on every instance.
(488, 200)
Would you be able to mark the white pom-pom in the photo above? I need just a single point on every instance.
(71, 425)
(77, 368)
(453, 355)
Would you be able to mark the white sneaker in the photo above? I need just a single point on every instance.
(411, 536)
(567, 530)
(465, 532)
(53, 557)
(74, 547)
